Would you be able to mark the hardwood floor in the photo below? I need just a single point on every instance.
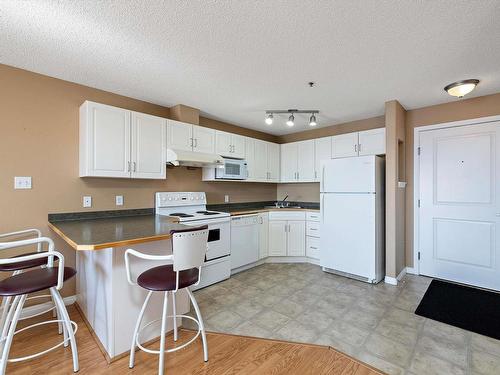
(228, 354)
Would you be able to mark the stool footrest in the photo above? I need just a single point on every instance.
(150, 351)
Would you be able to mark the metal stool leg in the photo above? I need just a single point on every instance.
(162, 337)
(136, 330)
(67, 324)
(17, 305)
(174, 313)
(200, 322)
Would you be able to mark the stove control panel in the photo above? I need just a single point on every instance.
(169, 199)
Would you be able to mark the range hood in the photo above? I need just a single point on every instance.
(182, 158)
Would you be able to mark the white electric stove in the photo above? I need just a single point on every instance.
(189, 208)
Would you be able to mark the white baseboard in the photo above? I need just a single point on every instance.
(39, 308)
(287, 259)
(394, 280)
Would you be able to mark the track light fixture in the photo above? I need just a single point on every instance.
(291, 118)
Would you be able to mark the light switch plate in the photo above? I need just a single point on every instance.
(119, 200)
(226, 198)
(22, 182)
(87, 201)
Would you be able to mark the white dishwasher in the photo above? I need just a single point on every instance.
(244, 240)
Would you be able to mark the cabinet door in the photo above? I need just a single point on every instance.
(238, 143)
(108, 141)
(179, 135)
(261, 156)
(312, 247)
(203, 139)
(223, 145)
(277, 238)
(296, 243)
(322, 151)
(345, 145)
(289, 153)
(250, 158)
(263, 235)
(305, 161)
(273, 161)
(148, 146)
(372, 142)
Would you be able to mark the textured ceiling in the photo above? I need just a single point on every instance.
(234, 59)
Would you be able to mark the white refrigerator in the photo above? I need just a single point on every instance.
(352, 217)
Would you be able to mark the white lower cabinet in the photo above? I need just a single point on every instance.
(313, 234)
(287, 232)
(312, 247)
(263, 235)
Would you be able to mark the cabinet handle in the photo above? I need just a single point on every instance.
(359, 147)
(191, 143)
(128, 166)
(298, 175)
(315, 174)
(312, 229)
(135, 166)
(355, 148)
(314, 248)
(196, 142)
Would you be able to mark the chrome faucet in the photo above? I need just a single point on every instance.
(278, 205)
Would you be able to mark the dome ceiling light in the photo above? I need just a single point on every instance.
(291, 119)
(461, 88)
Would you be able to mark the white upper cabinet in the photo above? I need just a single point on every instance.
(179, 135)
(260, 161)
(203, 139)
(372, 142)
(148, 146)
(188, 137)
(305, 161)
(115, 142)
(289, 154)
(229, 145)
(345, 145)
(273, 161)
(322, 151)
(250, 158)
(297, 161)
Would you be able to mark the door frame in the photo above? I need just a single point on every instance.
(416, 175)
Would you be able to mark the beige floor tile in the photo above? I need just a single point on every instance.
(398, 332)
(297, 332)
(360, 317)
(248, 308)
(441, 347)
(267, 300)
(270, 320)
(484, 343)
(407, 300)
(248, 328)
(337, 344)
(390, 350)
(289, 308)
(442, 330)
(380, 364)
(484, 363)
(305, 298)
(315, 319)
(424, 363)
(224, 321)
(404, 317)
(347, 332)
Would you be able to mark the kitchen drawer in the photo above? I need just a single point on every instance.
(312, 216)
(287, 215)
(312, 229)
(312, 247)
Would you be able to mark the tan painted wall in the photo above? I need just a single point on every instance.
(394, 196)
(304, 192)
(39, 138)
(461, 109)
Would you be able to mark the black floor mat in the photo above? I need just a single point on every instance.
(461, 306)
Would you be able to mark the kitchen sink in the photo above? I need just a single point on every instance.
(282, 207)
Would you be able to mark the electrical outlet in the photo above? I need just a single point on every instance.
(226, 198)
(22, 182)
(87, 201)
(119, 200)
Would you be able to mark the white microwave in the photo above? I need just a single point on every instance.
(233, 169)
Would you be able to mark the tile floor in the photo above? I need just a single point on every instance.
(374, 323)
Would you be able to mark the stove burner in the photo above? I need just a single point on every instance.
(207, 212)
(180, 214)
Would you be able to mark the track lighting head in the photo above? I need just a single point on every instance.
(312, 120)
(290, 121)
(269, 119)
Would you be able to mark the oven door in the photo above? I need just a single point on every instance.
(219, 232)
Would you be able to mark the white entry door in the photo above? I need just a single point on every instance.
(459, 210)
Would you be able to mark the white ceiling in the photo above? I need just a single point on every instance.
(235, 59)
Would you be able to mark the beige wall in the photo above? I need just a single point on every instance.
(461, 109)
(39, 138)
(304, 192)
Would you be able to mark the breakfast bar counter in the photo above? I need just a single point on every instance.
(109, 304)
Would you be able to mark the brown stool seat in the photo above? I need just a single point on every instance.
(33, 281)
(24, 265)
(162, 278)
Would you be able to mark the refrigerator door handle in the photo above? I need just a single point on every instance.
(322, 178)
(322, 207)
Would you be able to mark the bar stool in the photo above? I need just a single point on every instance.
(19, 267)
(22, 284)
(189, 247)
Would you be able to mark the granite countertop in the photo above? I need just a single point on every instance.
(105, 232)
